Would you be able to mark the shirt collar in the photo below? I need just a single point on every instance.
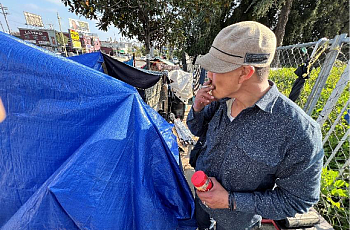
(267, 102)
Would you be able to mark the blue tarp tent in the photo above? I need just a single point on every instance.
(81, 150)
(93, 60)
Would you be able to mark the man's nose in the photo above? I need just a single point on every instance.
(210, 75)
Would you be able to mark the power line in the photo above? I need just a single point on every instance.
(5, 13)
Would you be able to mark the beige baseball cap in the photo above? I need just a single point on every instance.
(243, 43)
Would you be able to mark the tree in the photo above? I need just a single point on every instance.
(282, 21)
(153, 22)
(312, 20)
(59, 39)
(212, 16)
(61, 42)
(202, 21)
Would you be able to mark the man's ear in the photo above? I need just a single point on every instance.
(247, 73)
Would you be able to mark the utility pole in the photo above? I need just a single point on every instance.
(5, 13)
(2, 27)
(59, 23)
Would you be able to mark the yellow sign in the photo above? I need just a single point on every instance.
(75, 39)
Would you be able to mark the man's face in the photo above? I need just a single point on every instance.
(225, 84)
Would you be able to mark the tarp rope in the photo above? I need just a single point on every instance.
(303, 71)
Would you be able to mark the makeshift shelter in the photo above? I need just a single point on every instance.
(81, 150)
(124, 71)
(93, 60)
(159, 64)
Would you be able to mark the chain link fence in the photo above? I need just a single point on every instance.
(325, 97)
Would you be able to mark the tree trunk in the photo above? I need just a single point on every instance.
(184, 61)
(282, 21)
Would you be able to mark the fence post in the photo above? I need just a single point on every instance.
(333, 98)
(340, 143)
(322, 77)
(340, 115)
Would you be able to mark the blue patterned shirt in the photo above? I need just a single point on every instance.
(270, 157)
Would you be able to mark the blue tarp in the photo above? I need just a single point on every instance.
(129, 62)
(80, 150)
(93, 60)
(347, 117)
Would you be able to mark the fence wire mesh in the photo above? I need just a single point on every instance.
(331, 110)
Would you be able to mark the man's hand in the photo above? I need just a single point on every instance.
(215, 198)
(203, 97)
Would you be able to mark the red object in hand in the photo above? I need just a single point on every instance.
(201, 181)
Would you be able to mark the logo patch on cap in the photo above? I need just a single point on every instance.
(256, 58)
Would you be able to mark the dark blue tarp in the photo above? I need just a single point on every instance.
(81, 150)
(93, 60)
(129, 62)
(131, 75)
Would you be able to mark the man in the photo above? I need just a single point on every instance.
(263, 153)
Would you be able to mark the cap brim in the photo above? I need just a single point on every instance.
(215, 65)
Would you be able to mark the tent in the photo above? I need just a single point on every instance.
(81, 150)
(93, 60)
(124, 71)
(133, 76)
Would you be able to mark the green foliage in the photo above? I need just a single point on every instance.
(334, 202)
(153, 22)
(331, 187)
(202, 23)
(334, 199)
(313, 20)
(59, 39)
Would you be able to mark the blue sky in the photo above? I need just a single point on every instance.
(48, 9)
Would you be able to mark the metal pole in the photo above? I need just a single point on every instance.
(5, 13)
(59, 22)
(323, 75)
(2, 27)
(340, 143)
(333, 99)
(335, 123)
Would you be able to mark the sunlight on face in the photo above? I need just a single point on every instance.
(2, 112)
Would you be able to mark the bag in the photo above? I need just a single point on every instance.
(198, 148)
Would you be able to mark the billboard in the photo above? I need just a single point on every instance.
(33, 19)
(79, 26)
(75, 39)
(91, 43)
(37, 37)
(52, 37)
